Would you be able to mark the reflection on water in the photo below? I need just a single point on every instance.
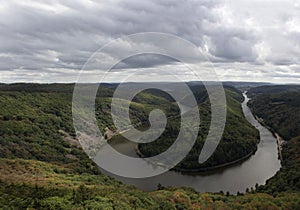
(257, 169)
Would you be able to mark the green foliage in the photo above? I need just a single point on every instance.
(239, 138)
(278, 106)
(29, 129)
(278, 110)
(271, 89)
(37, 173)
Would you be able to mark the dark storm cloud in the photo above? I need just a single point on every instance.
(48, 38)
(144, 61)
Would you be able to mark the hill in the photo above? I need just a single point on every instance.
(238, 141)
(279, 108)
(41, 167)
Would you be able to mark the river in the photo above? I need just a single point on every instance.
(236, 178)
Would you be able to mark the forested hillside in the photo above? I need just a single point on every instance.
(279, 108)
(42, 167)
(239, 138)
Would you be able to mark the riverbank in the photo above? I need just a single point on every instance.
(279, 139)
(201, 170)
(279, 143)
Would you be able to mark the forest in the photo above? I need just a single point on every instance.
(279, 108)
(238, 141)
(42, 169)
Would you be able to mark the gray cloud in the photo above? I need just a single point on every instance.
(53, 39)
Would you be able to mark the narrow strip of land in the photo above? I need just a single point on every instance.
(279, 143)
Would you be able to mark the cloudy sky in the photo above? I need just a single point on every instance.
(245, 40)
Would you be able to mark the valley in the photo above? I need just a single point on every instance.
(41, 170)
